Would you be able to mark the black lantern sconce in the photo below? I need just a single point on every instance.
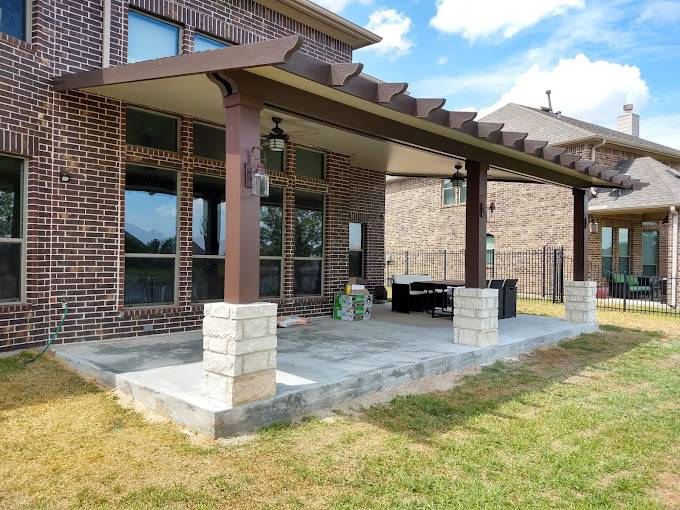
(458, 179)
(276, 139)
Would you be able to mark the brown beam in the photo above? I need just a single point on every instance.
(475, 224)
(580, 235)
(242, 271)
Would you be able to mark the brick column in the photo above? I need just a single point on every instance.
(475, 319)
(239, 352)
(579, 302)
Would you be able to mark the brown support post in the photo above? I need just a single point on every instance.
(242, 271)
(580, 235)
(475, 224)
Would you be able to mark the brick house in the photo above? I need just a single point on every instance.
(118, 119)
(635, 230)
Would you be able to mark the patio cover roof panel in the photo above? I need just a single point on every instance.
(339, 95)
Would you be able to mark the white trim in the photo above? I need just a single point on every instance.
(29, 21)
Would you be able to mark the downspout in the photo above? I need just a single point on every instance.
(674, 256)
(106, 33)
(593, 154)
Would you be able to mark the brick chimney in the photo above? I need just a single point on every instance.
(629, 122)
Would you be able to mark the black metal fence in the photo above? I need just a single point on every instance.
(541, 275)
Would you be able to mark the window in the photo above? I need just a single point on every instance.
(310, 163)
(606, 251)
(490, 250)
(356, 250)
(453, 195)
(14, 18)
(271, 243)
(273, 160)
(11, 229)
(209, 141)
(150, 38)
(624, 261)
(208, 236)
(150, 235)
(308, 256)
(206, 43)
(650, 252)
(150, 129)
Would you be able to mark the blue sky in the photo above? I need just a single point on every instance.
(595, 55)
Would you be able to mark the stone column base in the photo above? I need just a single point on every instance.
(475, 316)
(580, 302)
(239, 352)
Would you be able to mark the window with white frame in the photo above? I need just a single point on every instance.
(208, 237)
(309, 232)
(150, 235)
(271, 243)
(12, 229)
(453, 195)
(15, 18)
(650, 252)
(150, 38)
(607, 251)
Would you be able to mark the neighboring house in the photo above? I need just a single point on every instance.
(636, 230)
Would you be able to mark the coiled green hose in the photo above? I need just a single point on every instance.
(53, 336)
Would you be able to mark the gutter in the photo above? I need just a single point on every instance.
(106, 33)
(593, 155)
(674, 256)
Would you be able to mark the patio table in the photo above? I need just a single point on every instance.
(430, 288)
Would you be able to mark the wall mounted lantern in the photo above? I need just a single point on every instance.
(593, 226)
(64, 176)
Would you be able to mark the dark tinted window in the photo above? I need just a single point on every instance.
(10, 271)
(273, 160)
(270, 277)
(209, 141)
(307, 277)
(150, 210)
(356, 250)
(271, 223)
(208, 228)
(310, 163)
(153, 130)
(207, 279)
(10, 197)
(149, 280)
(150, 38)
(13, 18)
(308, 224)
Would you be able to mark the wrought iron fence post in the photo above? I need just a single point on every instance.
(407, 263)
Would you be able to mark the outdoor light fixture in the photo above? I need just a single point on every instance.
(594, 226)
(457, 179)
(492, 207)
(64, 176)
(276, 139)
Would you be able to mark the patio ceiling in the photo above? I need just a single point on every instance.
(335, 107)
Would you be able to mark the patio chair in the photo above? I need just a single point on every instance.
(405, 300)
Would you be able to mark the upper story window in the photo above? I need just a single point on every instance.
(150, 38)
(310, 163)
(206, 43)
(209, 141)
(453, 195)
(150, 129)
(11, 229)
(273, 160)
(14, 18)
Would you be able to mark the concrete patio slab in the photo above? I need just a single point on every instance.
(320, 366)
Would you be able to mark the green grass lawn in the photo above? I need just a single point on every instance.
(591, 423)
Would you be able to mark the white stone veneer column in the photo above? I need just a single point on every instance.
(475, 317)
(580, 302)
(239, 352)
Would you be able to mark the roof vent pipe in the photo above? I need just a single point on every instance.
(547, 93)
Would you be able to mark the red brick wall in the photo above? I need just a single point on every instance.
(75, 230)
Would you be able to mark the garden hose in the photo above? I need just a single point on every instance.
(53, 336)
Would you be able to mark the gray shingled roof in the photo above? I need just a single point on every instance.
(558, 130)
(663, 189)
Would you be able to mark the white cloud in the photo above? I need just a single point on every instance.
(483, 18)
(663, 11)
(393, 27)
(661, 129)
(442, 60)
(593, 91)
